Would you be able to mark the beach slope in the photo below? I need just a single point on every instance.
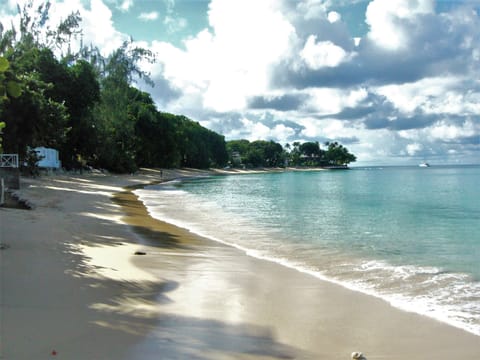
(71, 287)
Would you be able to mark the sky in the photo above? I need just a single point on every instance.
(395, 81)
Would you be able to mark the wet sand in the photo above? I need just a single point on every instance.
(72, 288)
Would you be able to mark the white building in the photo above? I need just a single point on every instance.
(49, 158)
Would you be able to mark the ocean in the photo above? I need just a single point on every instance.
(408, 235)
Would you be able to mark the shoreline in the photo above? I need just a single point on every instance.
(187, 297)
(419, 304)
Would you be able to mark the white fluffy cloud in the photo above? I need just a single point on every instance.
(322, 54)
(174, 24)
(150, 16)
(414, 148)
(328, 101)
(312, 9)
(231, 63)
(126, 5)
(390, 20)
(259, 131)
(440, 95)
(334, 16)
(99, 28)
(445, 131)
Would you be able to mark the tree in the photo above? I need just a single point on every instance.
(34, 30)
(274, 154)
(264, 153)
(80, 96)
(237, 151)
(35, 117)
(114, 118)
(9, 88)
(311, 154)
(155, 134)
(337, 154)
(310, 149)
(294, 154)
(199, 147)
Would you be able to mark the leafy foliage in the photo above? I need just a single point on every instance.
(336, 154)
(10, 87)
(31, 163)
(258, 153)
(311, 154)
(270, 154)
(86, 106)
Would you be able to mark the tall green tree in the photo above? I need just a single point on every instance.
(199, 147)
(337, 154)
(10, 87)
(80, 96)
(155, 134)
(263, 153)
(36, 117)
(115, 121)
(310, 149)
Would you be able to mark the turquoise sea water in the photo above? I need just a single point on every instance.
(408, 235)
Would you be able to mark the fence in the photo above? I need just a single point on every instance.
(9, 174)
(9, 160)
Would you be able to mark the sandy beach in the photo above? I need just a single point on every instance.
(71, 287)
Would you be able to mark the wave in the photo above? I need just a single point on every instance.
(452, 298)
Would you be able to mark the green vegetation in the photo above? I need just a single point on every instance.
(85, 105)
(9, 88)
(270, 154)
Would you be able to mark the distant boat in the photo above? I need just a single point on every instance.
(424, 164)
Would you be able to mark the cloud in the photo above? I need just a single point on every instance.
(12, 4)
(430, 44)
(396, 122)
(172, 21)
(285, 102)
(126, 5)
(98, 27)
(390, 21)
(257, 130)
(174, 24)
(97, 24)
(292, 70)
(231, 63)
(252, 126)
(322, 54)
(440, 95)
(123, 6)
(446, 131)
(347, 140)
(414, 148)
(150, 16)
(351, 113)
(334, 16)
(324, 102)
(312, 9)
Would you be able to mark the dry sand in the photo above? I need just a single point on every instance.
(72, 288)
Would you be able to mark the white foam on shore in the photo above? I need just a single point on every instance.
(452, 298)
